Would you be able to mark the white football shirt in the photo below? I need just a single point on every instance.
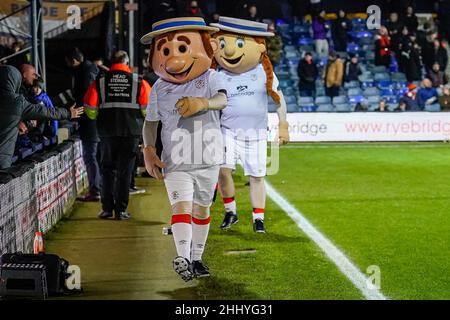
(193, 142)
(247, 106)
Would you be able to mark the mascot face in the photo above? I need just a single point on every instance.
(238, 53)
(181, 56)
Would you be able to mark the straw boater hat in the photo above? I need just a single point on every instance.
(176, 24)
(242, 26)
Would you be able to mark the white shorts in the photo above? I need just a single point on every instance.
(251, 154)
(194, 186)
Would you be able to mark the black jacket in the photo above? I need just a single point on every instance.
(83, 76)
(307, 74)
(14, 108)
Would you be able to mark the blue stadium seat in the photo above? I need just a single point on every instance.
(354, 92)
(306, 101)
(373, 99)
(398, 77)
(292, 54)
(325, 108)
(292, 108)
(373, 107)
(340, 99)
(320, 91)
(311, 108)
(385, 84)
(368, 83)
(290, 99)
(354, 100)
(323, 100)
(382, 76)
(353, 48)
(392, 106)
(433, 108)
(290, 48)
(343, 107)
(305, 41)
(289, 91)
(285, 84)
(387, 92)
(351, 84)
(392, 99)
(371, 91)
(379, 69)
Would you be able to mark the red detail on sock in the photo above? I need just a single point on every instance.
(228, 200)
(181, 218)
(201, 221)
(258, 210)
(217, 187)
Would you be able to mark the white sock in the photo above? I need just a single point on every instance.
(258, 213)
(182, 234)
(229, 204)
(200, 230)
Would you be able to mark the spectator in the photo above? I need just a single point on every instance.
(410, 101)
(274, 45)
(410, 20)
(307, 72)
(41, 97)
(215, 17)
(423, 33)
(444, 99)
(252, 13)
(436, 52)
(84, 73)
(334, 74)
(194, 10)
(395, 28)
(14, 109)
(410, 60)
(382, 107)
(383, 48)
(352, 68)
(341, 26)
(320, 29)
(29, 75)
(438, 78)
(102, 69)
(427, 94)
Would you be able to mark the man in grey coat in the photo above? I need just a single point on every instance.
(15, 108)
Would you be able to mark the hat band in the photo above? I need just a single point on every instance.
(238, 26)
(179, 24)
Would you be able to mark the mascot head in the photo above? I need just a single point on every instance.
(242, 47)
(181, 49)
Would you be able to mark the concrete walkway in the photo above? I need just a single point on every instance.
(122, 259)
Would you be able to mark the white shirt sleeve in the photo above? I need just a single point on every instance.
(215, 83)
(276, 83)
(152, 107)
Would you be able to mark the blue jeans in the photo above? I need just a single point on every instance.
(90, 160)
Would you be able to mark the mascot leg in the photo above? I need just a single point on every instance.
(226, 187)
(258, 199)
(200, 228)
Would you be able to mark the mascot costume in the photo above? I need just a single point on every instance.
(187, 99)
(250, 82)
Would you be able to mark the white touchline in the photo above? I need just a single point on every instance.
(333, 253)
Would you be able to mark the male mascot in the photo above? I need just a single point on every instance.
(187, 99)
(250, 82)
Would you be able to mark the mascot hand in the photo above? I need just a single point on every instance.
(283, 132)
(152, 163)
(189, 106)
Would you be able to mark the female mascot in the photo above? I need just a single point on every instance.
(250, 81)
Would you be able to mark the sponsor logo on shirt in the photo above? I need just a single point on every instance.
(242, 91)
(175, 195)
(200, 83)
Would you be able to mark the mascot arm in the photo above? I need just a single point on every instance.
(152, 162)
(283, 125)
(189, 106)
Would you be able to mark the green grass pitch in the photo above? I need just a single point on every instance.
(381, 204)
